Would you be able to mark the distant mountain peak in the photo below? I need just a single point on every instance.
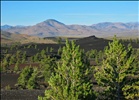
(53, 21)
(50, 22)
(4, 27)
(52, 27)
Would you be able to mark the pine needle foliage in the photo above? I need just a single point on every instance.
(70, 80)
(28, 78)
(118, 73)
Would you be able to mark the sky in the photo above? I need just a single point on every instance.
(68, 12)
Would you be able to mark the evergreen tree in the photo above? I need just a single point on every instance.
(32, 82)
(51, 49)
(29, 46)
(43, 55)
(35, 46)
(12, 59)
(24, 57)
(71, 78)
(47, 50)
(5, 62)
(5, 65)
(137, 40)
(24, 76)
(28, 78)
(6, 51)
(32, 59)
(16, 67)
(118, 72)
(92, 54)
(36, 57)
(48, 64)
(59, 51)
(18, 55)
(59, 40)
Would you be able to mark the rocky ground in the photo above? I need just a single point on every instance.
(21, 94)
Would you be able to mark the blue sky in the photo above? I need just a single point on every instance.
(68, 12)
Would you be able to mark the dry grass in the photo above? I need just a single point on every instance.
(26, 40)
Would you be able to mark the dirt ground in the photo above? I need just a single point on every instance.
(11, 79)
(21, 94)
(8, 79)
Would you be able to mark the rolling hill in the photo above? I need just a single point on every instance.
(52, 28)
(10, 38)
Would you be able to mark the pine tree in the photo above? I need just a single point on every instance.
(118, 72)
(32, 82)
(92, 54)
(12, 59)
(47, 50)
(24, 76)
(18, 54)
(16, 67)
(4, 65)
(59, 51)
(51, 49)
(47, 67)
(35, 46)
(71, 78)
(59, 40)
(36, 57)
(24, 57)
(43, 53)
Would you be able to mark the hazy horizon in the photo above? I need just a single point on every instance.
(68, 24)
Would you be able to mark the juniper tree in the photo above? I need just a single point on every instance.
(71, 78)
(118, 73)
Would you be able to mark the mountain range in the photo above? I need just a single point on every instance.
(51, 28)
